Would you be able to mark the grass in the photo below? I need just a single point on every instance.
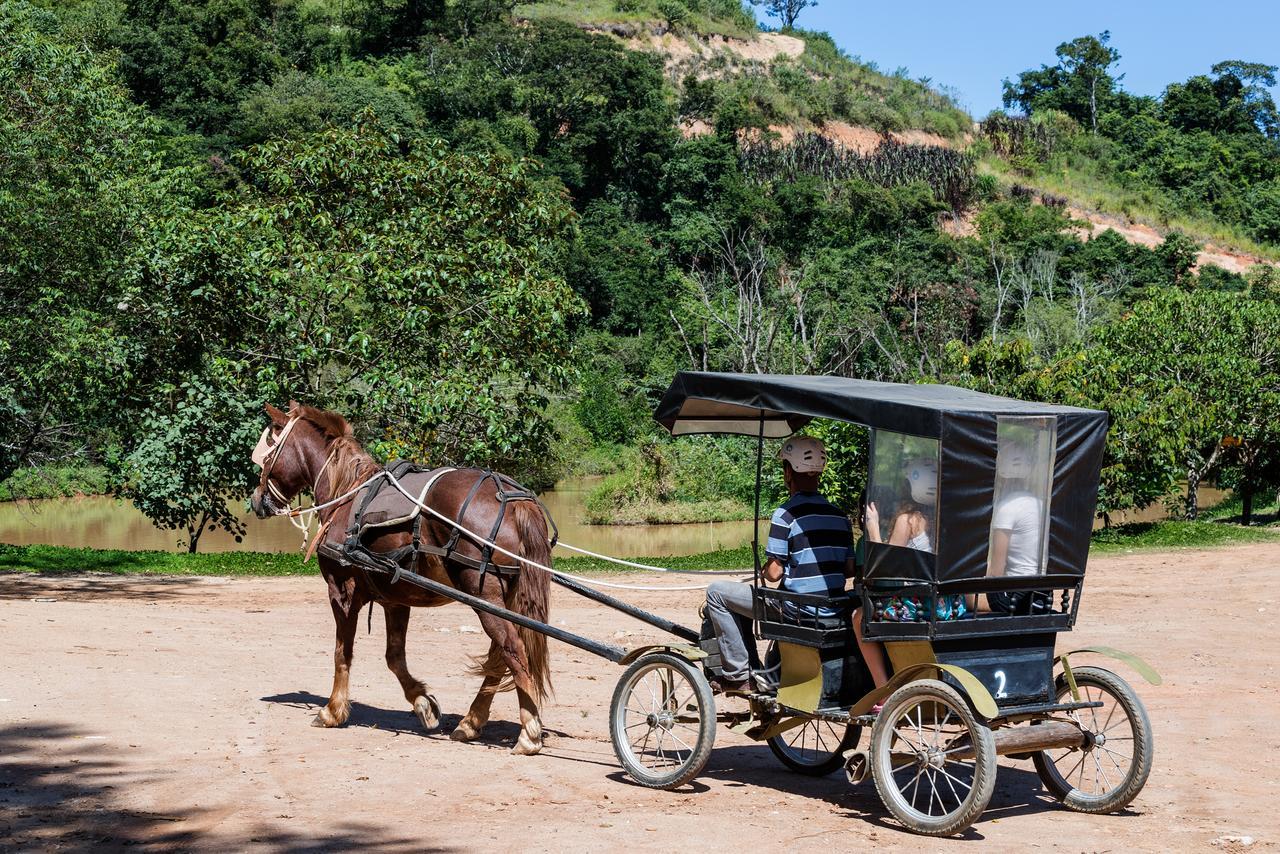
(597, 12)
(1091, 191)
(669, 513)
(1177, 534)
(58, 560)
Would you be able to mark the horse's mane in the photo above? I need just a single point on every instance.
(350, 463)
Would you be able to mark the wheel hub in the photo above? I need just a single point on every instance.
(664, 720)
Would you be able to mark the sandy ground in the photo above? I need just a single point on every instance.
(174, 714)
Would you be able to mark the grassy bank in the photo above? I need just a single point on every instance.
(54, 482)
(1151, 536)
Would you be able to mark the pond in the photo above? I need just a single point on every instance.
(105, 523)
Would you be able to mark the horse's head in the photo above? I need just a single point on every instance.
(287, 453)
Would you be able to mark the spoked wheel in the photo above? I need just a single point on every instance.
(815, 747)
(1113, 766)
(933, 761)
(662, 721)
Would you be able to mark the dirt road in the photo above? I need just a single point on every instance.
(174, 714)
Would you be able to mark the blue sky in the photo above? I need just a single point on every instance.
(972, 46)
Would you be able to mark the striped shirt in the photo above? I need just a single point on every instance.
(813, 541)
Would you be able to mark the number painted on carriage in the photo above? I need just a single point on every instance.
(1000, 689)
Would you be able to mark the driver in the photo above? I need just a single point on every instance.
(810, 550)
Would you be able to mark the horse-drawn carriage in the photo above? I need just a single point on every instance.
(968, 683)
(970, 627)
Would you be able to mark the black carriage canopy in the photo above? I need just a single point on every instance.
(961, 429)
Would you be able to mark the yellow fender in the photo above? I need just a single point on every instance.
(977, 693)
(692, 653)
(1146, 671)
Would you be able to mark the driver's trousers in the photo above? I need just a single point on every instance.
(729, 608)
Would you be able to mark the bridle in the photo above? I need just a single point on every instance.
(266, 456)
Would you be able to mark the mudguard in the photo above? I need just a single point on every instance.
(977, 693)
(1146, 671)
(692, 653)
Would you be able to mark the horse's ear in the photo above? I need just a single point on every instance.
(294, 406)
(276, 416)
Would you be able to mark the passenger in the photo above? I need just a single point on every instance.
(912, 528)
(1017, 525)
(810, 550)
(872, 651)
(913, 523)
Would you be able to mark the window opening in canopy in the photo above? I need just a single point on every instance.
(903, 486)
(1025, 450)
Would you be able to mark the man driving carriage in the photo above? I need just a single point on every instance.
(810, 550)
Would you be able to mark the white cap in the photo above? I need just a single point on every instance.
(805, 453)
(922, 476)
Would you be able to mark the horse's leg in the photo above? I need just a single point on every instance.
(416, 692)
(511, 647)
(346, 614)
(478, 715)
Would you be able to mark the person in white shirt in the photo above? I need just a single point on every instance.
(1017, 529)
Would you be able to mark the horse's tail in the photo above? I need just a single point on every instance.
(531, 594)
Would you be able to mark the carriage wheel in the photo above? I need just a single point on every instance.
(1113, 766)
(933, 761)
(662, 721)
(816, 747)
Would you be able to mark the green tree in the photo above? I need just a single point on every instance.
(786, 11)
(1209, 358)
(1077, 85)
(188, 459)
(85, 175)
(413, 288)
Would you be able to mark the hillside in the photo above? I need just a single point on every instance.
(799, 82)
(717, 59)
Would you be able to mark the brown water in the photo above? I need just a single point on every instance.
(107, 523)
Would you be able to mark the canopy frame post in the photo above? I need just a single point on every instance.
(755, 526)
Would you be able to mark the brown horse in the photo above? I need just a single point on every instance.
(311, 450)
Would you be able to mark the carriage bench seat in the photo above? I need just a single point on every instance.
(796, 618)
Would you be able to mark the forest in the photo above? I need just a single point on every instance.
(490, 233)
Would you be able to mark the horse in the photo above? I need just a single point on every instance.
(313, 450)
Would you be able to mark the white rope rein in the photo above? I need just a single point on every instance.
(300, 511)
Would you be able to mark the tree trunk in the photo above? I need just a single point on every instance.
(1246, 497)
(1193, 490)
(193, 536)
(1093, 103)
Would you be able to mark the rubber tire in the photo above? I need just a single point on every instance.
(706, 724)
(984, 774)
(1144, 747)
(852, 735)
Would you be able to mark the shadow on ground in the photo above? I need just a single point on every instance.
(58, 790)
(497, 733)
(65, 586)
(1018, 790)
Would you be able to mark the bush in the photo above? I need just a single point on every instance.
(627, 6)
(675, 13)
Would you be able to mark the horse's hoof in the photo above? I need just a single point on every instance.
(526, 746)
(464, 731)
(428, 712)
(327, 719)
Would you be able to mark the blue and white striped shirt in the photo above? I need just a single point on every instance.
(813, 540)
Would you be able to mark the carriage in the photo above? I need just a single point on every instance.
(970, 632)
(976, 672)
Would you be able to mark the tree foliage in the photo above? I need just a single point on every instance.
(409, 285)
